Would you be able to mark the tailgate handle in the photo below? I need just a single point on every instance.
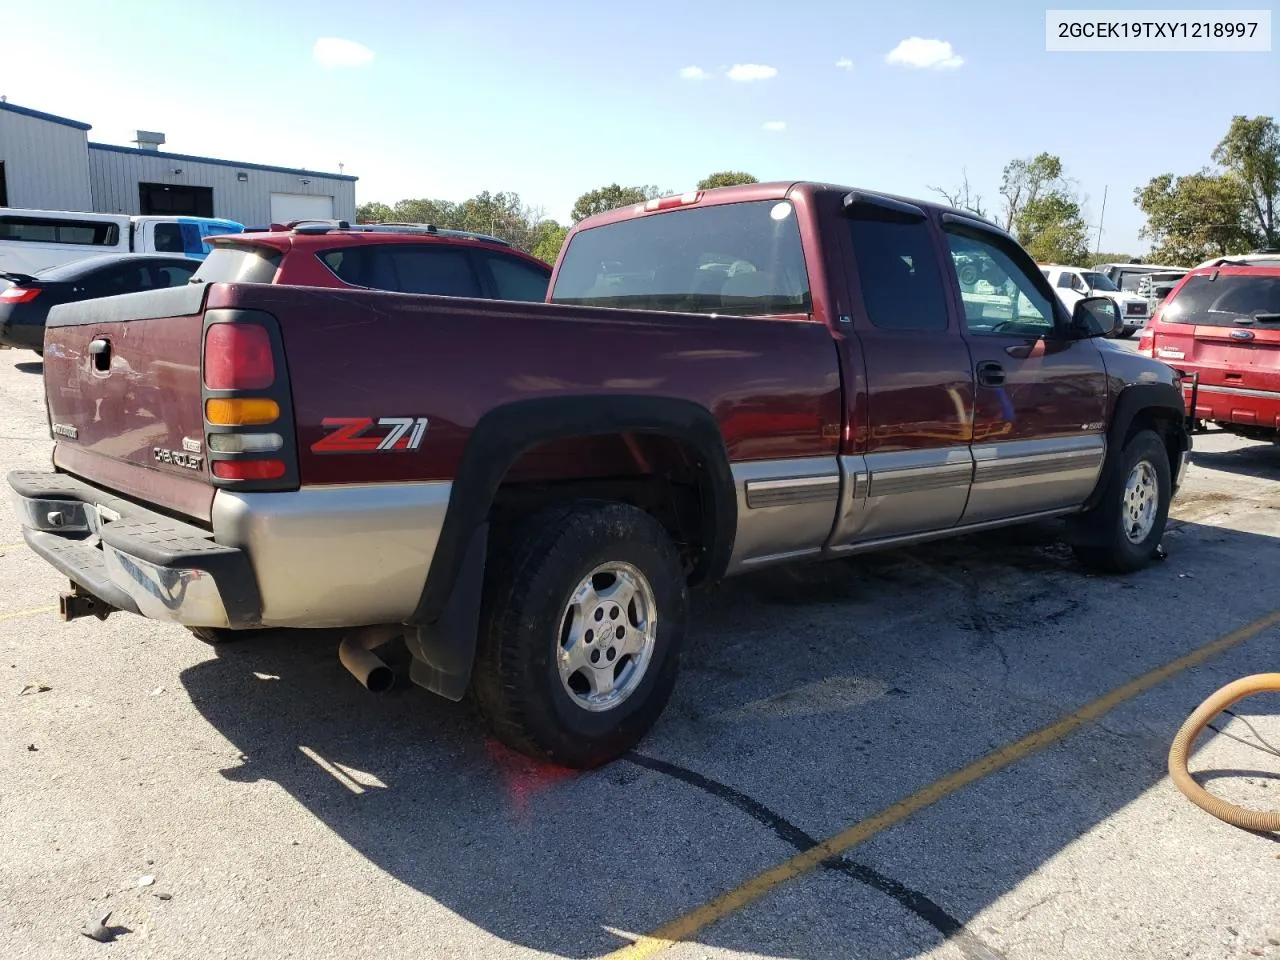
(101, 350)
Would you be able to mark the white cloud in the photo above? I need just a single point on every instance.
(694, 73)
(844, 63)
(925, 54)
(744, 72)
(775, 126)
(332, 52)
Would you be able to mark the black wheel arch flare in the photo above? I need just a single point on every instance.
(442, 634)
(1162, 398)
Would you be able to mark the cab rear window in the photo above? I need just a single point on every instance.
(738, 258)
(1227, 301)
(239, 263)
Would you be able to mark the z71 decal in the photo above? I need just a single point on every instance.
(367, 435)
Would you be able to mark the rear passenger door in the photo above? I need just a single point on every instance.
(915, 466)
(1040, 393)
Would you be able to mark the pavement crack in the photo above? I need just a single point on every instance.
(918, 903)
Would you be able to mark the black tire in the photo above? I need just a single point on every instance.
(1107, 547)
(533, 570)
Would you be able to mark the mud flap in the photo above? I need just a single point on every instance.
(444, 650)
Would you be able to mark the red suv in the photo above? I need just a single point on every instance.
(1221, 328)
(403, 258)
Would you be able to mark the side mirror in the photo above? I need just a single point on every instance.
(1096, 317)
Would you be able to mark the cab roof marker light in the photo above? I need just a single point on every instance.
(679, 200)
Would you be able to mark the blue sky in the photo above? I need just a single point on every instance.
(553, 100)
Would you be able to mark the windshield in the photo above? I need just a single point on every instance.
(1098, 281)
(1225, 302)
(737, 258)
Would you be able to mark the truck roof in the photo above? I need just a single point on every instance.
(772, 190)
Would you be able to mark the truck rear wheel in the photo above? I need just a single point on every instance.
(580, 634)
(1125, 528)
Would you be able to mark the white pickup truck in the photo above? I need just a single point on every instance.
(1072, 284)
(33, 240)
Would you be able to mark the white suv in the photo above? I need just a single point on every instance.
(1075, 283)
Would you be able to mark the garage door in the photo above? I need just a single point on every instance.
(300, 206)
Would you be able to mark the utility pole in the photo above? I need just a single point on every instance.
(1102, 216)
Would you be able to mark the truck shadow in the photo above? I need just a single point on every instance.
(897, 669)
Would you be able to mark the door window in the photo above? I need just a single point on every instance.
(999, 296)
(516, 280)
(898, 272)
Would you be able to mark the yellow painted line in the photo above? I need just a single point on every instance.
(701, 917)
(26, 613)
(12, 546)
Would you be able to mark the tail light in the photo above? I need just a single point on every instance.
(238, 357)
(18, 294)
(1146, 342)
(250, 442)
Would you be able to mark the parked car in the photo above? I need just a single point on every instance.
(26, 302)
(1127, 276)
(1263, 256)
(33, 240)
(1072, 284)
(525, 493)
(1220, 328)
(406, 258)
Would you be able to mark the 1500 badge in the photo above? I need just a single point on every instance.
(369, 435)
(177, 458)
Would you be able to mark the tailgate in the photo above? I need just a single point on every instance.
(122, 381)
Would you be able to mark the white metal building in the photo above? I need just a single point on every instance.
(48, 162)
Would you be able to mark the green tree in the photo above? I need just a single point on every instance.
(372, 212)
(1195, 217)
(726, 178)
(1025, 180)
(610, 198)
(549, 238)
(1250, 153)
(1052, 228)
(1104, 256)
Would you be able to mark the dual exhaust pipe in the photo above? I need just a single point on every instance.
(356, 654)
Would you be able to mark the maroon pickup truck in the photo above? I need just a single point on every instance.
(525, 492)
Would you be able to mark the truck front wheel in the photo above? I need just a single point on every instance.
(1125, 528)
(580, 635)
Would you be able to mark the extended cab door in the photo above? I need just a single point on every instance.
(909, 464)
(1041, 394)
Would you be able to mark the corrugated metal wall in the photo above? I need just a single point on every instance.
(115, 176)
(46, 164)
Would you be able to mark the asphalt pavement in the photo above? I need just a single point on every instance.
(255, 802)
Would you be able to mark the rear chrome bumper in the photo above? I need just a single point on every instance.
(340, 556)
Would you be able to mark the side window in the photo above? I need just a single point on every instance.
(516, 280)
(438, 270)
(1077, 282)
(168, 238)
(1064, 281)
(170, 275)
(118, 280)
(370, 267)
(901, 283)
(1002, 297)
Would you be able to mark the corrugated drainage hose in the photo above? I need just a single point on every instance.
(1182, 743)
